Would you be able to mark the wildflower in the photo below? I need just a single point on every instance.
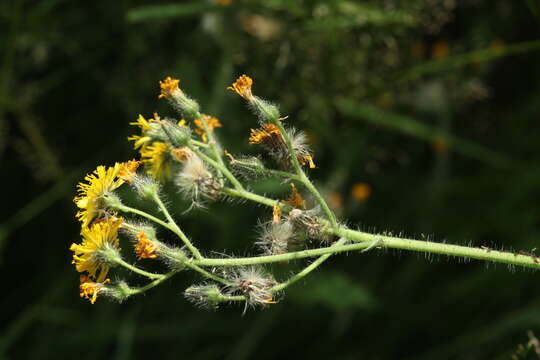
(255, 284)
(169, 87)
(270, 137)
(295, 200)
(211, 123)
(128, 170)
(172, 92)
(145, 248)
(182, 154)
(156, 157)
(268, 134)
(242, 86)
(360, 192)
(146, 127)
(90, 289)
(100, 243)
(195, 180)
(98, 184)
(275, 237)
(308, 222)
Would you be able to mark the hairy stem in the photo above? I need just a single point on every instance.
(219, 167)
(315, 264)
(165, 277)
(135, 269)
(177, 229)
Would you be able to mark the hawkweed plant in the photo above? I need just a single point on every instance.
(186, 153)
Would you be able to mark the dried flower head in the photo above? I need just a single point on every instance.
(275, 238)
(196, 181)
(267, 135)
(276, 213)
(295, 200)
(99, 240)
(211, 123)
(145, 248)
(308, 222)
(255, 284)
(182, 154)
(301, 148)
(101, 182)
(90, 289)
(128, 170)
(156, 158)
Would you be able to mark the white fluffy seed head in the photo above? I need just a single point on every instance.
(196, 181)
(274, 238)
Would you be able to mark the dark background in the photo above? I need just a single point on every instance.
(433, 104)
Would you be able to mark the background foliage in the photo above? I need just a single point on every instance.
(431, 105)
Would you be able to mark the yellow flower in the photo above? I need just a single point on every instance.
(268, 134)
(128, 170)
(168, 87)
(145, 248)
(144, 125)
(102, 181)
(211, 123)
(155, 156)
(89, 289)
(101, 236)
(242, 86)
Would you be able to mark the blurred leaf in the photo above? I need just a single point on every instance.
(351, 14)
(414, 128)
(334, 290)
(473, 57)
(146, 13)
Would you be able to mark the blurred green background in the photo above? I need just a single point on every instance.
(424, 118)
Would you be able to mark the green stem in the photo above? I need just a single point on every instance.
(212, 142)
(175, 230)
(178, 231)
(221, 168)
(135, 269)
(200, 144)
(307, 269)
(302, 177)
(135, 291)
(206, 273)
(255, 197)
(366, 241)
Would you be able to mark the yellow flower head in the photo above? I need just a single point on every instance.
(155, 156)
(242, 86)
(145, 248)
(101, 236)
(268, 134)
(211, 123)
(102, 181)
(89, 289)
(128, 170)
(168, 87)
(144, 125)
